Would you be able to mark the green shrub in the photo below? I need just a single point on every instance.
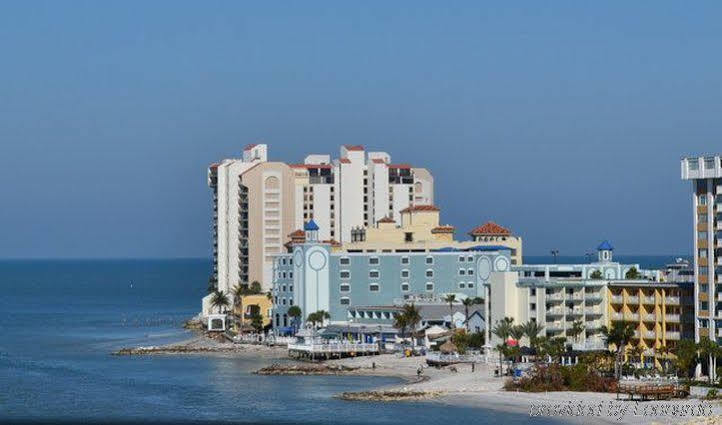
(554, 377)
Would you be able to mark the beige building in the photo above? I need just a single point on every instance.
(420, 230)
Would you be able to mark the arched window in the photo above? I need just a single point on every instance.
(285, 320)
(278, 319)
(272, 182)
(418, 187)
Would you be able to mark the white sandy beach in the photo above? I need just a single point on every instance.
(476, 389)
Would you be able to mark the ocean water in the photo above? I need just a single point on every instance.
(60, 320)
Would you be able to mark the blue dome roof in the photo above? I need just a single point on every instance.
(605, 246)
(311, 225)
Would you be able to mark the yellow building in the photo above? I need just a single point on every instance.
(420, 230)
(656, 309)
(252, 304)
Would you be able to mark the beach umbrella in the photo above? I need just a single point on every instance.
(448, 347)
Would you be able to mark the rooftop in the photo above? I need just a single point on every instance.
(414, 208)
(490, 228)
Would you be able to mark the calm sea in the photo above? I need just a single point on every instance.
(59, 320)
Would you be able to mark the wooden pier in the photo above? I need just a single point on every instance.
(332, 350)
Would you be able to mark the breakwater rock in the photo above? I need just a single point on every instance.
(304, 369)
(388, 395)
(180, 349)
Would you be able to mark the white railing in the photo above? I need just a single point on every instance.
(650, 317)
(649, 334)
(281, 340)
(672, 317)
(589, 345)
(340, 347)
(555, 312)
(555, 326)
(672, 300)
(631, 316)
(454, 358)
(617, 299)
(617, 316)
(633, 299)
(672, 335)
(555, 297)
(592, 310)
(593, 296)
(648, 299)
(593, 325)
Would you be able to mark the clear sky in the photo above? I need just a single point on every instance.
(564, 120)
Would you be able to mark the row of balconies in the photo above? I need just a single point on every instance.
(647, 317)
(559, 326)
(674, 335)
(646, 299)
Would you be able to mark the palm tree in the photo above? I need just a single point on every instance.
(636, 353)
(663, 351)
(318, 317)
(502, 329)
(576, 330)
(255, 288)
(220, 300)
(619, 334)
(709, 348)
(408, 317)
(532, 329)
(295, 313)
(237, 293)
(468, 303)
(450, 298)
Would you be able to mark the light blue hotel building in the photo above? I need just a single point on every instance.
(314, 277)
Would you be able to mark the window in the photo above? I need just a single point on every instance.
(344, 261)
(283, 261)
(290, 288)
(290, 275)
(374, 287)
(404, 274)
(693, 164)
(408, 237)
(470, 272)
(469, 285)
(373, 261)
(429, 273)
(709, 163)
(462, 285)
(345, 274)
(283, 301)
(284, 288)
(345, 287)
(701, 235)
(462, 272)
(374, 274)
(290, 261)
(702, 253)
(429, 286)
(532, 306)
(429, 260)
(532, 292)
(404, 287)
(703, 199)
(345, 301)
(404, 260)
(461, 258)
(290, 301)
(284, 274)
(470, 258)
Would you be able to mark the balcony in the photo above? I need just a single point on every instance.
(558, 296)
(555, 312)
(672, 301)
(649, 317)
(672, 318)
(617, 299)
(596, 324)
(672, 335)
(592, 311)
(647, 334)
(555, 326)
(633, 299)
(627, 317)
(646, 299)
(574, 312)
(593, 296)
(590, 344)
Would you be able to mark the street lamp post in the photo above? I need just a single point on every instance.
(555, 252)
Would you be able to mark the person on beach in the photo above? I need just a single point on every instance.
(419, 371)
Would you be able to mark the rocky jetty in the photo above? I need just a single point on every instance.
(307, 369)
(388, 395)
(177, 349)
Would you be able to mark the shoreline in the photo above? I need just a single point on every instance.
(457, 387)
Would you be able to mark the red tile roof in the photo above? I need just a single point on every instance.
(405, 166)
(297, 234)
(354, 147)
(420, 208)
(443, 229)
(344, 161)
(490, 228)
(333, 242)
(386, 219)
(378, 161)
(251, 146)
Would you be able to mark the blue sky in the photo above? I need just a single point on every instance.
(564, 121)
